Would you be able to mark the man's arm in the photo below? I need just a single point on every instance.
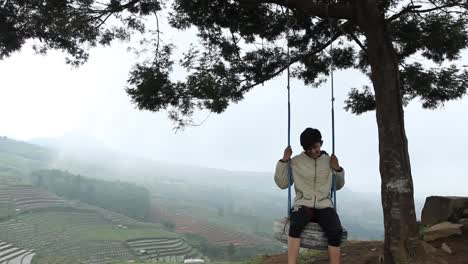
(338, 171)
(340, 178)
(281, 174)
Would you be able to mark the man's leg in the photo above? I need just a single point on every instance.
(330, 223)
(334, 254)
(299, 219)
(294, 245)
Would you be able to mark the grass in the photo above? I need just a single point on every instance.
(245, 224)
(257, 260)
(208, 262)
(6, 211)
(54, 260)
(112, 233)
(90, 226)
(307, 255)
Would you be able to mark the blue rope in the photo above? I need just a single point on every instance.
(289, 123)
(289, 188)
(289, 144)
(333, 191)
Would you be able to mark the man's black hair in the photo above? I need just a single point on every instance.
(309, 137)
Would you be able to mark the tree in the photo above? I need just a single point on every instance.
(230, 250)
(169, 225)
(241, 47)
(220, 211)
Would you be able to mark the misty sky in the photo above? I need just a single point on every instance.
(41, 96)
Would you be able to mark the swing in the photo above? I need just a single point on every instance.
(312, 237)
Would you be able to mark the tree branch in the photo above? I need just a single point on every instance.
(5, 2)
(402, 12)
(158, 32)
(356, 39)
(296, 59)
(235, 43)
(415, 9)
(353, 36)
(310, 8)
(103, 21)
(129, 4)
(436, 8)
(109, 11)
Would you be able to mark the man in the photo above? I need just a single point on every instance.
(313, 172)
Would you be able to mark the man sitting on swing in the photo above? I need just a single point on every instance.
(312, 172)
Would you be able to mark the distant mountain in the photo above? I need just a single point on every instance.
(86, 155)
(18, 159)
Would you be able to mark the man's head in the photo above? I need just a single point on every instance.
(311, 141)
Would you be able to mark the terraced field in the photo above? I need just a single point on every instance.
(61, 231)
(214, 233)
(10, 254)
(35, 231)
(28, 198)
(163, 249)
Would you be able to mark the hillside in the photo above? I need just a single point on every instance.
(62, 231)
(18, 159)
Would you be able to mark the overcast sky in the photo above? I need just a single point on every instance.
(41, 96)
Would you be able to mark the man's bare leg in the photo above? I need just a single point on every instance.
(334, 254)
(294, 245)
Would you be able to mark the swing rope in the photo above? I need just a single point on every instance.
(331, 69)
(290, 173)
(333, 192)
(332, 84)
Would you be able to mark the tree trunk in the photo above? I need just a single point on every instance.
(401, 233)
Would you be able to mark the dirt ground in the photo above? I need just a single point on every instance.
(369, 252)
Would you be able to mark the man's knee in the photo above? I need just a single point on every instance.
(298, 221)
(295, 229)
(334, 237)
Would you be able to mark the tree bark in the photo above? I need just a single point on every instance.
(402, 242)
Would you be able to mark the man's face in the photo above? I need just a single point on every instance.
(314, 151)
